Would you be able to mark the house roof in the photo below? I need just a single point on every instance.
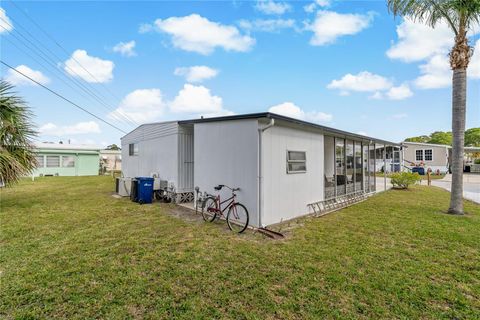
(270, 115)
(64, 146)
(427, 144)
(466, 149)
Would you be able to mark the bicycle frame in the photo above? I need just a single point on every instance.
(220, 203)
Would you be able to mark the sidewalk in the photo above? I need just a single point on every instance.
(471, 185)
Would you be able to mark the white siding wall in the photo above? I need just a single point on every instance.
(285, 196)
(158, 151)
(227, 153)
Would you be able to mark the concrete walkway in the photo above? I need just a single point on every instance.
(471, 185)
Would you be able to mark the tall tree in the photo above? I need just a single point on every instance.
(472, 137)
(17, 158)
(460, 16)
(440, 137)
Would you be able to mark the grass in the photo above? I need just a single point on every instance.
(70, 250)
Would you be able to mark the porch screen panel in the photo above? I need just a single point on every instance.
(357, 150)
(371, 166)
(366, 177)
(340, 166)
(349, 166)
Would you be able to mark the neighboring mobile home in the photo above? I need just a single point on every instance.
(111, 160)
(281, 164)
(66, 160)
(435, 156)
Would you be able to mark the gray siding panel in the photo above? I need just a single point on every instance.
(226, 152)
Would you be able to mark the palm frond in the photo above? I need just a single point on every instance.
(17, 157)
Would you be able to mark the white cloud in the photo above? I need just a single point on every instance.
(198, 34)
(51, 129)
(196, 100)
(399, 93)
(6, 24)
(196, 73)
(291, 110)
(88, 68)
(267, 25)
(330, 25)
(474, 68)
(141, 105)
(361, 82)
(399, 116)
(126, 49)
(272, 7)
(17, 79)
(417, 41)
(313, 6)
(436, 73)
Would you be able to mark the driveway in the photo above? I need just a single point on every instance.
(471, 185)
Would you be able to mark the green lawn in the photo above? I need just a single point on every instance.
(70, 250)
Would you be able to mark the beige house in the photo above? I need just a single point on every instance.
(433, 156)
(436, 156)
(111, 160)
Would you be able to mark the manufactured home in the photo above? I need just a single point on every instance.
(433, 156)
(55, 159)
(281, 165)
(436, 156)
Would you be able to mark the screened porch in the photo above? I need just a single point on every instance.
(352, 166)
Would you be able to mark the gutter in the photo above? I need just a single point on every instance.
(260, 177)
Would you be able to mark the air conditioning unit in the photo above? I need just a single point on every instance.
(159, 184)
(123, 186)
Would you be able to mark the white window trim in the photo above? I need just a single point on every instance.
(296, 161)
(133, 151)
(424, 155)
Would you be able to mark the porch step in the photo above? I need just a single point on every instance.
(326, 206)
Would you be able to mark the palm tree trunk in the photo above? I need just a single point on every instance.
(459, 99)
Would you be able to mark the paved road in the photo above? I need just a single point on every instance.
(471, 185)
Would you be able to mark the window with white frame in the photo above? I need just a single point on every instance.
(53, 161)
(133, 149)
(428, 154)
(419, 155)
(296, 161)
(68, 161)
(40, 161)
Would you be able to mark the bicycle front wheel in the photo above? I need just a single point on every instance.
(237, 218)
(209, 209)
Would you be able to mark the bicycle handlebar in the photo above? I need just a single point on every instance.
(220, 186)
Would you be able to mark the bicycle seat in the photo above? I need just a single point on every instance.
(219, 187)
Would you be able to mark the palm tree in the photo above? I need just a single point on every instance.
(17, 158)
(460, 16)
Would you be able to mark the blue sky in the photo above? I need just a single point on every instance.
(345, 64)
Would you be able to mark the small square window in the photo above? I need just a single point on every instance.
(68, 161)
(40, 161)
(296, 161)
(53, 161)
(133, 149)
(428, 155)
(419, 155)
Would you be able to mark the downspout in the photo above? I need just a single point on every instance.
(260, 177)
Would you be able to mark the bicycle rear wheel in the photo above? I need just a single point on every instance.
(209, 209)
(237, 218)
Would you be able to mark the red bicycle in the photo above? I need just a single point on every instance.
(237, 216)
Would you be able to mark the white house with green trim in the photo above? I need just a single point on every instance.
(66, 160)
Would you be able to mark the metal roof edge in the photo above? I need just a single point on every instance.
(288, 119)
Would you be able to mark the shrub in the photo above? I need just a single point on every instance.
(403, 180)
(477, 161)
